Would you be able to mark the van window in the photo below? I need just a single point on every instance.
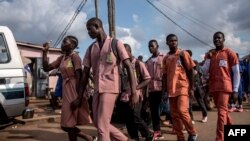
(4, 53)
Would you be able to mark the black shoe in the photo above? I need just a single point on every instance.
(150, 137)
(192, 137)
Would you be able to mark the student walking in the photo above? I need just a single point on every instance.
(101, 58)
(134, 122)
(219, 63)
(70, 67)
(154, 66)
(179, 84)
(199, 93)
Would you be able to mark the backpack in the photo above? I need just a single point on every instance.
(125, 96)
(122, 81)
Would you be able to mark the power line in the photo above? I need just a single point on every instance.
(193, 19)
(190, 34)
(59, 21)
(70, 23)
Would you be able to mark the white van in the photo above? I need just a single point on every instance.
(13, 87)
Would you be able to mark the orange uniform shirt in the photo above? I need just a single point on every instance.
(220, 70)
(104, 66)
(177, 82)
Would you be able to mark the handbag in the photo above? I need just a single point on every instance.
(58, 89)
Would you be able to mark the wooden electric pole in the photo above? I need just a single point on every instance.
(96, 8)
(111, 18)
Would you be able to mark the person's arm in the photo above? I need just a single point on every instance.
(164, 88)
(77, 65)
(164, 76)
(144, 75)
(143, 84)
(131, 75)
(46, 66)
(45, 58)
(78, 74)
(191, 79)
(164, 97)
(205, 66)
(236, 77)
(189, 67)
(83, 78)
(83, 81)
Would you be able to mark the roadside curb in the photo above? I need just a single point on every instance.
(43, 112)
(41, 119)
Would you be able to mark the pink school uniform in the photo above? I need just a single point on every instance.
(145, 75)
(155, 70)
(106, 82)
(68, 65)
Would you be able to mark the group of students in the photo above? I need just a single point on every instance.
(168, 77)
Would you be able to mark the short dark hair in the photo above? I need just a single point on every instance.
(170, 35)
(73, 39)
(190, 52)
(95, 20)
(153, 40)
(219, 32)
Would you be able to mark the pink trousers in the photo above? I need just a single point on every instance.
(103, 105)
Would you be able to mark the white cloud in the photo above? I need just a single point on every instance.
(135, 18)
(202, 19)
(125, 35)
(38, 21)
(241, 47)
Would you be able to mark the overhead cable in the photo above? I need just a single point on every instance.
(53, 28)
(190, 34)
(193, 19)
(70, 23)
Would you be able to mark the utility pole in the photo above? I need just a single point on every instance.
(111, 18)
(96, 8)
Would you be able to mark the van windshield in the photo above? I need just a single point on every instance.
(4, 54)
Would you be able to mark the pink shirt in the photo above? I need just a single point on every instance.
(144, 74)
(104, 65)
(154, 66)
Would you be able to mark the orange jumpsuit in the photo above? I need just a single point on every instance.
(177, 86)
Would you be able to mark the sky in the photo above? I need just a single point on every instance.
(137, 22)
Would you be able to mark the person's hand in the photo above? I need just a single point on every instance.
(134, 100)
(209, 54)
(46, 47)
(76, 103)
